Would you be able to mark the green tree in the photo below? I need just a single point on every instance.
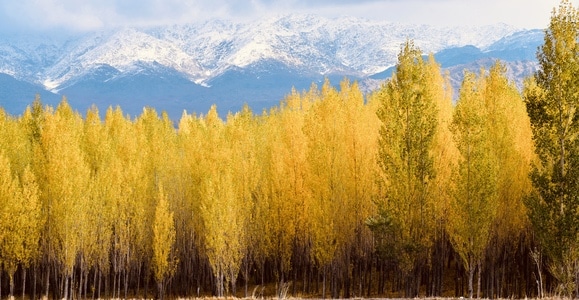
(552, 99)
(409, 121)
(445, 156)
(473, 207)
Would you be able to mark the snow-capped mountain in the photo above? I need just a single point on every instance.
(342, 45)
(191, 66)
(122, 50)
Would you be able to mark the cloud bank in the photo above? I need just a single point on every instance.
(74, 15)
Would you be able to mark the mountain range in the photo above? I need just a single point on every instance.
(190, 67)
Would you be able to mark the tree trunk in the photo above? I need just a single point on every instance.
(23, 282)
(35, 270)
(160, 290)
(114, 284)
(86, 283)
(219, 284)
(119, 284)
(47, 284)
(107, 277)
(11, 276)
(94, 282)
(146, 284)
(347, 276)
(59, 283)
(471, 270)
(65, 291)
(479, 267)
(536, 255)
(246, 277)
(324, 285)
(126, 283)
(360, 279)
(139, 271)
(99, 284)
(81, 279)
(369, 276)
(233, 284)
(305, 279)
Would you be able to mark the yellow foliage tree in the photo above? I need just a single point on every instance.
(224, 217)
(473, 207)
(67, 181)
(20, 219)
(163, 243)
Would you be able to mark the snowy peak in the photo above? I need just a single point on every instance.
(317, 44)
(123, 50)
(202, 51)
(195, 65)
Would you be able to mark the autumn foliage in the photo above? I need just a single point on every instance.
(212, 204)
(407, 191)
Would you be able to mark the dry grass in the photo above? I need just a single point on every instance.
(256, 295)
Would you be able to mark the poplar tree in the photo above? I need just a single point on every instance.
(67, 181)
(409, 120)
(473, 207)
(552, 100)
(241, 133)
(359, 168)
(124, 171)
(105, 175)
(221, 208)
(8, 195)
(511, 142)
(284, 188)
(20, 219)
(189, 225)
(326, 158)
(163, 243)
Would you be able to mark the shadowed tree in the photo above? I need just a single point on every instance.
(552, 99)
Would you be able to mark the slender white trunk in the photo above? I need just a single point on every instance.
(99, 285)
(65, 287)
(11, 285)
(470, 281)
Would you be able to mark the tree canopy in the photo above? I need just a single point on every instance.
(403, 192)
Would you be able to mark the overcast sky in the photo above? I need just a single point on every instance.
(80, 15)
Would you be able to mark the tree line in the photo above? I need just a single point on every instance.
(332, 193)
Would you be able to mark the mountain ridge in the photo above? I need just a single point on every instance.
(219, 58)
